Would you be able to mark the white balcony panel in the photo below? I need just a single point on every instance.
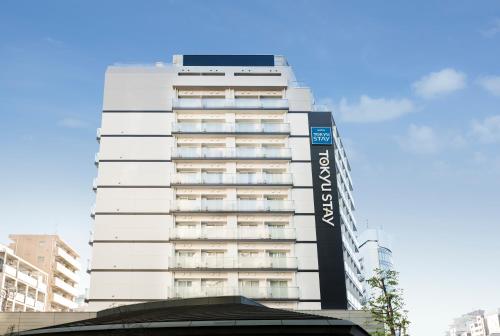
(27, 279)
(254, 233)
(65, 287)
(40, 306)
(61, 300)
(231, 152)
(66, 272)
(223, 178)
(270, 292)
(232, 206)
(225, 103)
(239, 127)
(9, 270)
(68, 258)
(250, 292)
(135, 148)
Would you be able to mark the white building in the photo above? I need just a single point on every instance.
(23, 286)
(476, 323)
(375, 252)
(216, 176)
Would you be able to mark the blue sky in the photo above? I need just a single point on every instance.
(415, 89)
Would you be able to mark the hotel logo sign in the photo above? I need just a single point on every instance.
(321, 135)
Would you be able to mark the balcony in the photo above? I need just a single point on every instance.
(239, 127)
(62, 301)
(65, 287)
(231, 179)
(232, 206)
(33, 282)
(257, 293)
(231, 153)
(7, 269)
(353, 277)
(30, 301)
(40, 306)
(68, 258)
(278, 293)
(241, 234)
(66, 272)
(227, 103)
(198, 262)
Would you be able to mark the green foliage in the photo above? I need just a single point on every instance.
(387, 304)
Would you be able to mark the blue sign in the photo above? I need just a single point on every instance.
(321, 135)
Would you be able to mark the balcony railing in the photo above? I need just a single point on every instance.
(217, 233)
(230, 152)
(68, 258)
(66, 271)
(226, 103)
(61, 300)
(239, 127)
(232, 206)
(65, 287)
(223, 178)
(199, 262)
(278, 293)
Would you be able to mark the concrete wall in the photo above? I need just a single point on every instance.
(24, 321)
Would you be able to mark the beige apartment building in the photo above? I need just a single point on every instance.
(23, 286)
(51, 254)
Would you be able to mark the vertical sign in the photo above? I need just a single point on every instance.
(333, 290)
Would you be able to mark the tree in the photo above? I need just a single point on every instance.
(386, 303)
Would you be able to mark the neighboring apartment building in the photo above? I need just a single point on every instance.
(375, 252)
(61, 262)
(217, 176)
(476, 323)
(23, 286)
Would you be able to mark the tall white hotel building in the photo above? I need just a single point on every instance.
(217, 176)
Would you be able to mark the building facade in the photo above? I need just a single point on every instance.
(216, 176)
(476, 323)
(23, 286)
(59, 260)
(374, 252)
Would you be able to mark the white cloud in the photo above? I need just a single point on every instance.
(439, 83)
(493, 29)
(490, 84)
(72, 123)
(373, 109)
(425, 140)
(487, 130)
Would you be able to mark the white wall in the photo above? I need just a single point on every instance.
(301, 174)
(130, 255)
(155, 200)
(136, 123)
(305, 227)
(138, 89)
(303, 200)
(300, 99)
(135, 148)
(134, 173)
(299, 123)
(308, 283)
(129, 285)
(132, 227)
(300, 148)
(307, 256)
